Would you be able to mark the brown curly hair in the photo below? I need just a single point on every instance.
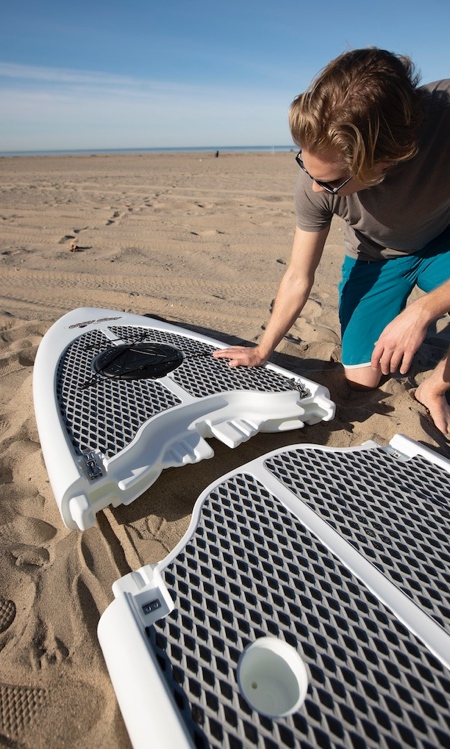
(366, 105)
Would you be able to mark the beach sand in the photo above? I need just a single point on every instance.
(197, 240)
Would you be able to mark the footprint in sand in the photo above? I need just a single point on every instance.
(27, 356)
(66, 238)
(9, 364)
(47, 649)
(19, 706)
(207, 233)
(7, 613)
(29, 715)
(111, 220)
(4, 426)
(30, 557)
(72, 238)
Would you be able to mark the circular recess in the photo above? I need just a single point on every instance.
(272, 677)
(138, 361)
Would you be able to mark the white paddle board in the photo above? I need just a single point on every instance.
(120, 397)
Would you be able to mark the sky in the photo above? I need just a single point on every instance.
(112, 74)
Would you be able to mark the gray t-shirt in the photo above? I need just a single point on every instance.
(407, 210)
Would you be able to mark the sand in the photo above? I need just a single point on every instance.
(200, 241)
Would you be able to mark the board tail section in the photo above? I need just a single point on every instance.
(341, 555)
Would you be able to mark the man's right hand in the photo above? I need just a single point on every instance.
(242, 356)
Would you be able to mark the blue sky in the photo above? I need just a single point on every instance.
(186, 73)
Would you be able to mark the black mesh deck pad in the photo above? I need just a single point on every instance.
(200, 374)
(102, 413)
(396, 513)
(251, 569)
(105, 414)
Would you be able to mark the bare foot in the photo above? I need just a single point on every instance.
(436, 404)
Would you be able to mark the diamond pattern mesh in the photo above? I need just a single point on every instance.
(396, 513)
(106, 414)
(200, 375)
(252, 569)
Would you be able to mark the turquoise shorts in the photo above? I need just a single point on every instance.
(371, 294)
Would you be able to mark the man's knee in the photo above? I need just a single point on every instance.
(362, 378)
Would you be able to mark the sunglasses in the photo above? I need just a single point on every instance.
(325, 185)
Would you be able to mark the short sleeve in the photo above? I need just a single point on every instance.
(313, 209)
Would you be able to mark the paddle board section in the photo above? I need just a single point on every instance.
(342, 555)
(120, 397)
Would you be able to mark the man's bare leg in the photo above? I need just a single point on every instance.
(432, 394)
(363, 378)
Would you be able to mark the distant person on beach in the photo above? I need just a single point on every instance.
(375, 150)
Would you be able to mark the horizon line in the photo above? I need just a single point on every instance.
(156, 149)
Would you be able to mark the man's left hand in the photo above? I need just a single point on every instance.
(399, 341)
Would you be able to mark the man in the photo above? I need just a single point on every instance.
(375, 150)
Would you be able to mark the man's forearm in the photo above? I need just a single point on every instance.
(290, 300)
(291, 297)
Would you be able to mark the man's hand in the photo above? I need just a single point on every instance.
(399, 341)
(242, 356)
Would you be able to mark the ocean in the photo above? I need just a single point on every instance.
(194, 149)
